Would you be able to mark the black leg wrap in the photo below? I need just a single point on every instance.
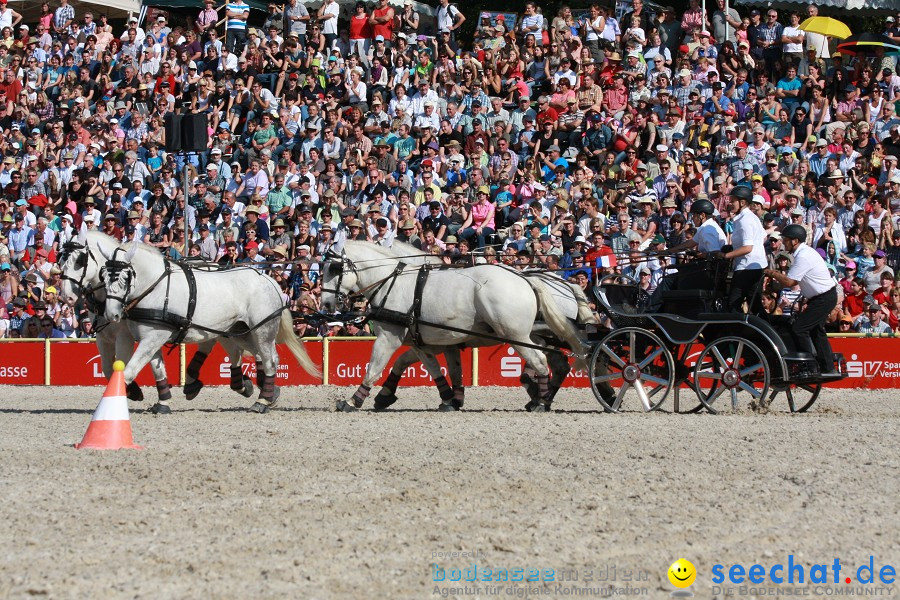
(192, 389)
(164, 389)
(360, 395)
(267, 387)
(444, 389)
(542, 402)
(393, 379)
(193, 368)
(459, 397)
(134, 392)
(237, 378)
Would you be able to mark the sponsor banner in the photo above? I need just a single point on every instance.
(872, 363)
(217, 368)
(347, 362)
(501, 365)
(22, 363)
(78, 363)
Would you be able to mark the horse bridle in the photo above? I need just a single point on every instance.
(70, 248)
(114, 268)
(338, 263)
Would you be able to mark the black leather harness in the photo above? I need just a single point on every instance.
(181, 323)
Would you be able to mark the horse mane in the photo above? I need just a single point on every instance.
(95, 236)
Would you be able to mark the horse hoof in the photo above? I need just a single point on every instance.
(384, 401)
(447, 408)
(134, 392)
(192, 389)
(531, 405)
(457, 404)
(161, 409)
(247, 390)
(541, 408)
(259, 408)
(343, 406)
(276, 394)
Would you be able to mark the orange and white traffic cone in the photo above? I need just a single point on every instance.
(110, 427)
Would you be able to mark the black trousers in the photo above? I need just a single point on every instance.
(745, 286)
(809, 328)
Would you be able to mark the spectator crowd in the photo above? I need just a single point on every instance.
(576, 141)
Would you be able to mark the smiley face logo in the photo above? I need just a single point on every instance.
(682, 573)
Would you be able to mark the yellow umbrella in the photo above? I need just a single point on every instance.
(826, 26)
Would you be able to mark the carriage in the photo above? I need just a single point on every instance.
(695, 348)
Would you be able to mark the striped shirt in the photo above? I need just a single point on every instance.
(238, 7)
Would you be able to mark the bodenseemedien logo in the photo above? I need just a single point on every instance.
(682, 575)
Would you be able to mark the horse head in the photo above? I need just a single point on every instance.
(119, 279)
(338, 280)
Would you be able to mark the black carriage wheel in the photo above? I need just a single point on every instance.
(729, 372)
(800, 397)
(631, 359)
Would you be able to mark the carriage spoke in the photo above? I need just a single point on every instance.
(751, 369)
(607, 377)
(738, 353)
(790, 399)
(709, 375)
(613, 356)
(631, 337)
(642, 394)
(749, 388)
(650, 359)
(620, 396)
(717, 393)
(734, 399)
(655, 379)
(722, 362)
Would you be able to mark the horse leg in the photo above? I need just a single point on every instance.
(531, 388)
(115, 343)
(266, 369)
(454, 371)
(163, 389)
(384, 347)
(388, 393)
(240, 383)
(560, 368)
(538, 363)
(148, 349)
(192, 383)
(434, 369)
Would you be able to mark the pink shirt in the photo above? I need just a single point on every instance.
(483, 215)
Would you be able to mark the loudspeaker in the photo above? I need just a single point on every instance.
(186, 133)
(173, 132)
(194, 134)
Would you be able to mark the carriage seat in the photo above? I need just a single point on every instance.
(697, 294)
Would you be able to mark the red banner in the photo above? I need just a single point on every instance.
(501, 365)
(22, 363)
(872, 363)
(348, 360)
(78, 363)
(217, 368)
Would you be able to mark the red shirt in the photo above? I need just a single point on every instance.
(359, 27)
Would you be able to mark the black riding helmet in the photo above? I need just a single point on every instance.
(703, 206)
(794, 232)
(742, 192)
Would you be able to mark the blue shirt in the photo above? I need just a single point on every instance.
(237, 6)
(790, 86)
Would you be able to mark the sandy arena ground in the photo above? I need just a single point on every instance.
(308, 503)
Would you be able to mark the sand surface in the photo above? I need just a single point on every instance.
(308, 503)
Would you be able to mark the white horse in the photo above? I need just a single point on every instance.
(457, 306)
(568, 297)
(240, 305)
(81, 277)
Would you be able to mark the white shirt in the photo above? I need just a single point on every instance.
(748, 231)
(793, 32)
(331, 12)
(710, 237)
(810, 270)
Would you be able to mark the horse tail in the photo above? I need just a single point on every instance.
(287, 337)
(557, 321)
(585, 314)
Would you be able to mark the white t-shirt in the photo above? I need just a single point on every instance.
(331, 12)
(810, 270)
(791, 32)
(748, 231)
(709, 237)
